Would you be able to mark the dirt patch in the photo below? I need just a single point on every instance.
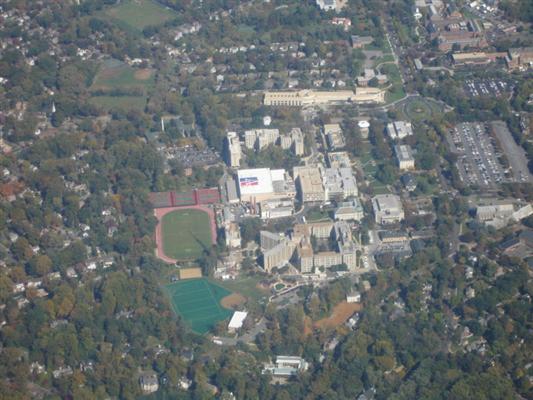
(190, 273)
(143, 74)
(341, 313)
(233, 300)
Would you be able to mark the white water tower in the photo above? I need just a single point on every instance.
(363, 128)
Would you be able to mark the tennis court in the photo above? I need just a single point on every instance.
(197, 301)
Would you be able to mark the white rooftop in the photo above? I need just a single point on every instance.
(237, 319)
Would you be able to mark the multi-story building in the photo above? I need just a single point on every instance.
(349, 210)
(334, 136)
(309, 182)
(233, 149)
(261, 184)
(293, 140)
(311, 97)
(232, 234)
(277, 250)
(399, 129)
(404, 157)
(387, 208)
(339, 183)
(258, 139)
(346, 248)
(278, 208)
(520, 58)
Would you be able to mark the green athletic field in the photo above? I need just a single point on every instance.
(135, 15)
(186, 233)
(197, 301)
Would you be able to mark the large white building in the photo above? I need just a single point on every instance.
(387, 208)
(311, 97)
(260, 184)
(233, 149)
(339, 183)
(399, 129)
(404, 157)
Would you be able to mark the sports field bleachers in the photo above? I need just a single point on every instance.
(188, 198)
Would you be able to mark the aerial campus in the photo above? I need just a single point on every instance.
(249, 199)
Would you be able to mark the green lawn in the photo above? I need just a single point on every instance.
(197, 301)
(135, 15)
(186, 234)
(122, 76)
(246, 286)
(111, 103)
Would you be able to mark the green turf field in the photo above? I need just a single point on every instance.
(135, 15)
(186, 233)
(197, 301)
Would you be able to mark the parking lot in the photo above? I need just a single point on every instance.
(487, 87)
(478, 162)
(190, 156)
(515, 153)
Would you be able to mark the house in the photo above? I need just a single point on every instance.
(149, 383)
(358, 42)
(353, 297)
(286, 366)
(409, 182)
(326, 5)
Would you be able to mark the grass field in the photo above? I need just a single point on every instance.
(197, 301)
(247, 287)
(124, 103)
(135, 15)
(122, 76)
(186, 233)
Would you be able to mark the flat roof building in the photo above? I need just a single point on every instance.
(277, 250)
(286, 366)
(387, 208)
(311, 97)
(260, 184)
(404, 157)
(258, 139)
(233, 149)
(334, 136)
(338, 159)
(237, 320)
(277, 208)
(339, 183)
(399, 129)
(309, 182)
(349, 210)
